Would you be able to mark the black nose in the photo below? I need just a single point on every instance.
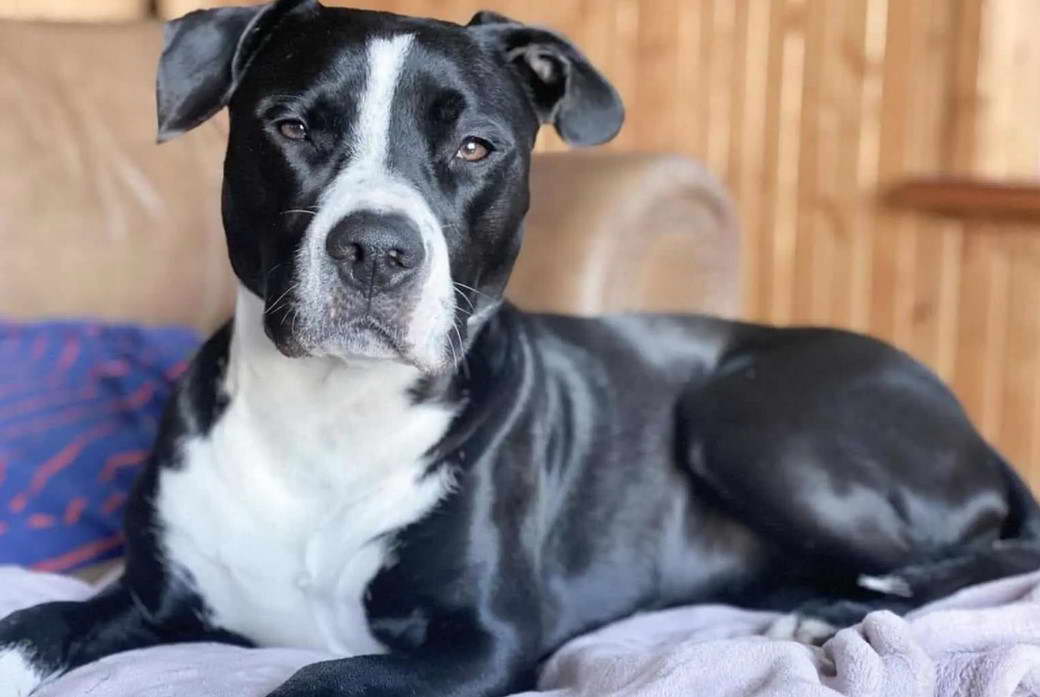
(375, 251)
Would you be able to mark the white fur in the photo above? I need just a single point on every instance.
(366, 183)
(889, 585)
(277, 514)
(17, 676)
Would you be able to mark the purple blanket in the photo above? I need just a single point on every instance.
(982, 642)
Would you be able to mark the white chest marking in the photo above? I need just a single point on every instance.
(278, 513)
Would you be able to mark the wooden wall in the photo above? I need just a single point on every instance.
(811, 110)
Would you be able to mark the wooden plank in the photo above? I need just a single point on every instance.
(932, 260)
(1009, 61)
(720, 95)
(840, 198)
(1022, 351)
(888, 254)
(656, 62)
(948, 299)
(739, 78)
(785, 206)
(995, 329)
(962, 106)
(835, 157)
(691, 80)
(748, 178)
(969, 379)
(810, 238)
(868, 156)
(1031, 463)
(762, 308)
(625, 16)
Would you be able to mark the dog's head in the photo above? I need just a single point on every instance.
(376, 174)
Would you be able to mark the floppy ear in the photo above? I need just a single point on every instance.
(564, 88)
(205, 55)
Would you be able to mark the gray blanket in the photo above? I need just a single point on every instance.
(982, 642)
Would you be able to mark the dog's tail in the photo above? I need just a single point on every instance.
(1016, 552)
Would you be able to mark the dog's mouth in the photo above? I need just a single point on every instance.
(332, 320)
(359, 338)
(334, 332)
(371, 333)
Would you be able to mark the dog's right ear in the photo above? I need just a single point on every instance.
(205, 55)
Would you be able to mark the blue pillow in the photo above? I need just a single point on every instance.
(80, 403)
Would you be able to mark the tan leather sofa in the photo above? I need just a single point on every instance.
(96, 220)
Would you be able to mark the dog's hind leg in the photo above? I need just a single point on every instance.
(851, 462)
(861, 474)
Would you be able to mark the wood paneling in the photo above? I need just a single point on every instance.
(811, 110)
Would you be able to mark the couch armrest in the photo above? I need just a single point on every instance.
(613, 232)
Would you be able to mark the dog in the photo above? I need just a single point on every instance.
(380, 457)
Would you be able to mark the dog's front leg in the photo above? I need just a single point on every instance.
(42, 642)
(487, 668)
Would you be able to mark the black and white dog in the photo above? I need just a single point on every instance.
(381, 458)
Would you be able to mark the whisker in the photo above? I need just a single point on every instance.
(454, 357)
(277, 303)
(299, 210)
(462, 348)
(471, 288)
(472, 307)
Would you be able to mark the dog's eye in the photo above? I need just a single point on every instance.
(473, 150)
(293, 129)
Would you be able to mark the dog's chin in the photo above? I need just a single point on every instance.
(362, 345)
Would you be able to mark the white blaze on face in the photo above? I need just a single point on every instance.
(367, 184)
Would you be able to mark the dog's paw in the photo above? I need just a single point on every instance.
(801, 628)
(18, 678)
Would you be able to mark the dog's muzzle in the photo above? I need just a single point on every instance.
(373, 280)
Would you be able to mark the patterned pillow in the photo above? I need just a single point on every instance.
(80, 403)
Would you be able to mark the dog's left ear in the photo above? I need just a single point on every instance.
(564, 88)
(205, 55)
